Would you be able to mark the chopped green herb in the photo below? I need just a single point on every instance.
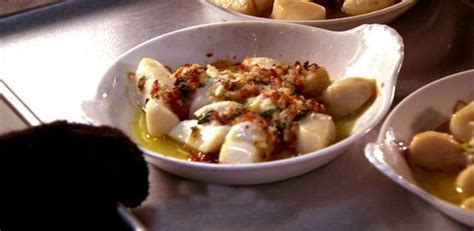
(204, 118)
(301, 115)
(269, 112)
(141, 83)
(201, 85)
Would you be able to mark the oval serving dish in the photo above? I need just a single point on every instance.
(357, 52)
(385, 15)
(423, 110)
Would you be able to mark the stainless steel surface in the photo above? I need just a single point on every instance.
(54, 57)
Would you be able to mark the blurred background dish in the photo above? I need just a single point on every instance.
(355, 52)
(335, 22)
(425, 109)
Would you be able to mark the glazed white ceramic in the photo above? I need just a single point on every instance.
(423, 110)
(385, 15)
(358, 52)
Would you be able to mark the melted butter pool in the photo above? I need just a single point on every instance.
(169, 147)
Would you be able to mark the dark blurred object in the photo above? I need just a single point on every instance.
(63, 176)
(333, 4)
(9, 7)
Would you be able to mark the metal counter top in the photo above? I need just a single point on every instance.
(54, 57)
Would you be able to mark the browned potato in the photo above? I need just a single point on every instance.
(437, 151)
(468, 203)
(250, 7)
(465, 181)
(297, 10)
(357, 7)
(241, 6)
(461, 124)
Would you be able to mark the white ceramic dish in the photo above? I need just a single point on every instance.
(357, 52)
(382, 16)
(424, 109)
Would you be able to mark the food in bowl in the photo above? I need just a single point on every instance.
(442, 161)
(304, 9)
(254, 111)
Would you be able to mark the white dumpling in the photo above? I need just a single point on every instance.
(204, 138)
(356, 7)
(262, 62)
(315, 131)
(461, 124)
(345, 96)
(465, 181)
(219, 107)
(297, 10)
(159, 117)
(437, 151)
(148, 71)
(246, 142)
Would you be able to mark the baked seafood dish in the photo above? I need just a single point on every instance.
(253, 111)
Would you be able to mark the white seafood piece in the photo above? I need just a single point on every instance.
(468, 203)
(246, 142)
(461, 124)
(297, 10)
(260, 104)
(151, 70)
(465, 181)
(345, 96)
(315, 131)
(159, 117)
(437, 151)
(262, 62)
(356, 7)
(201, 97)
(204, 138)
(219, 107)
(315, 81)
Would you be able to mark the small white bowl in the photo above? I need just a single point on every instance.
(358, 52)
(382, 16)
(425, 109)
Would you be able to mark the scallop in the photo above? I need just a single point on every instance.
(461, 124)
(347, 95)
(357, 7)
(246, 142)
(465, 181)
(201, 97)
(204, 138)
(315, 81)
(468, 203)
(436, 151)
(159, 117)
(262, 62)
(148, 71)
(315, 131)
(297, 10)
